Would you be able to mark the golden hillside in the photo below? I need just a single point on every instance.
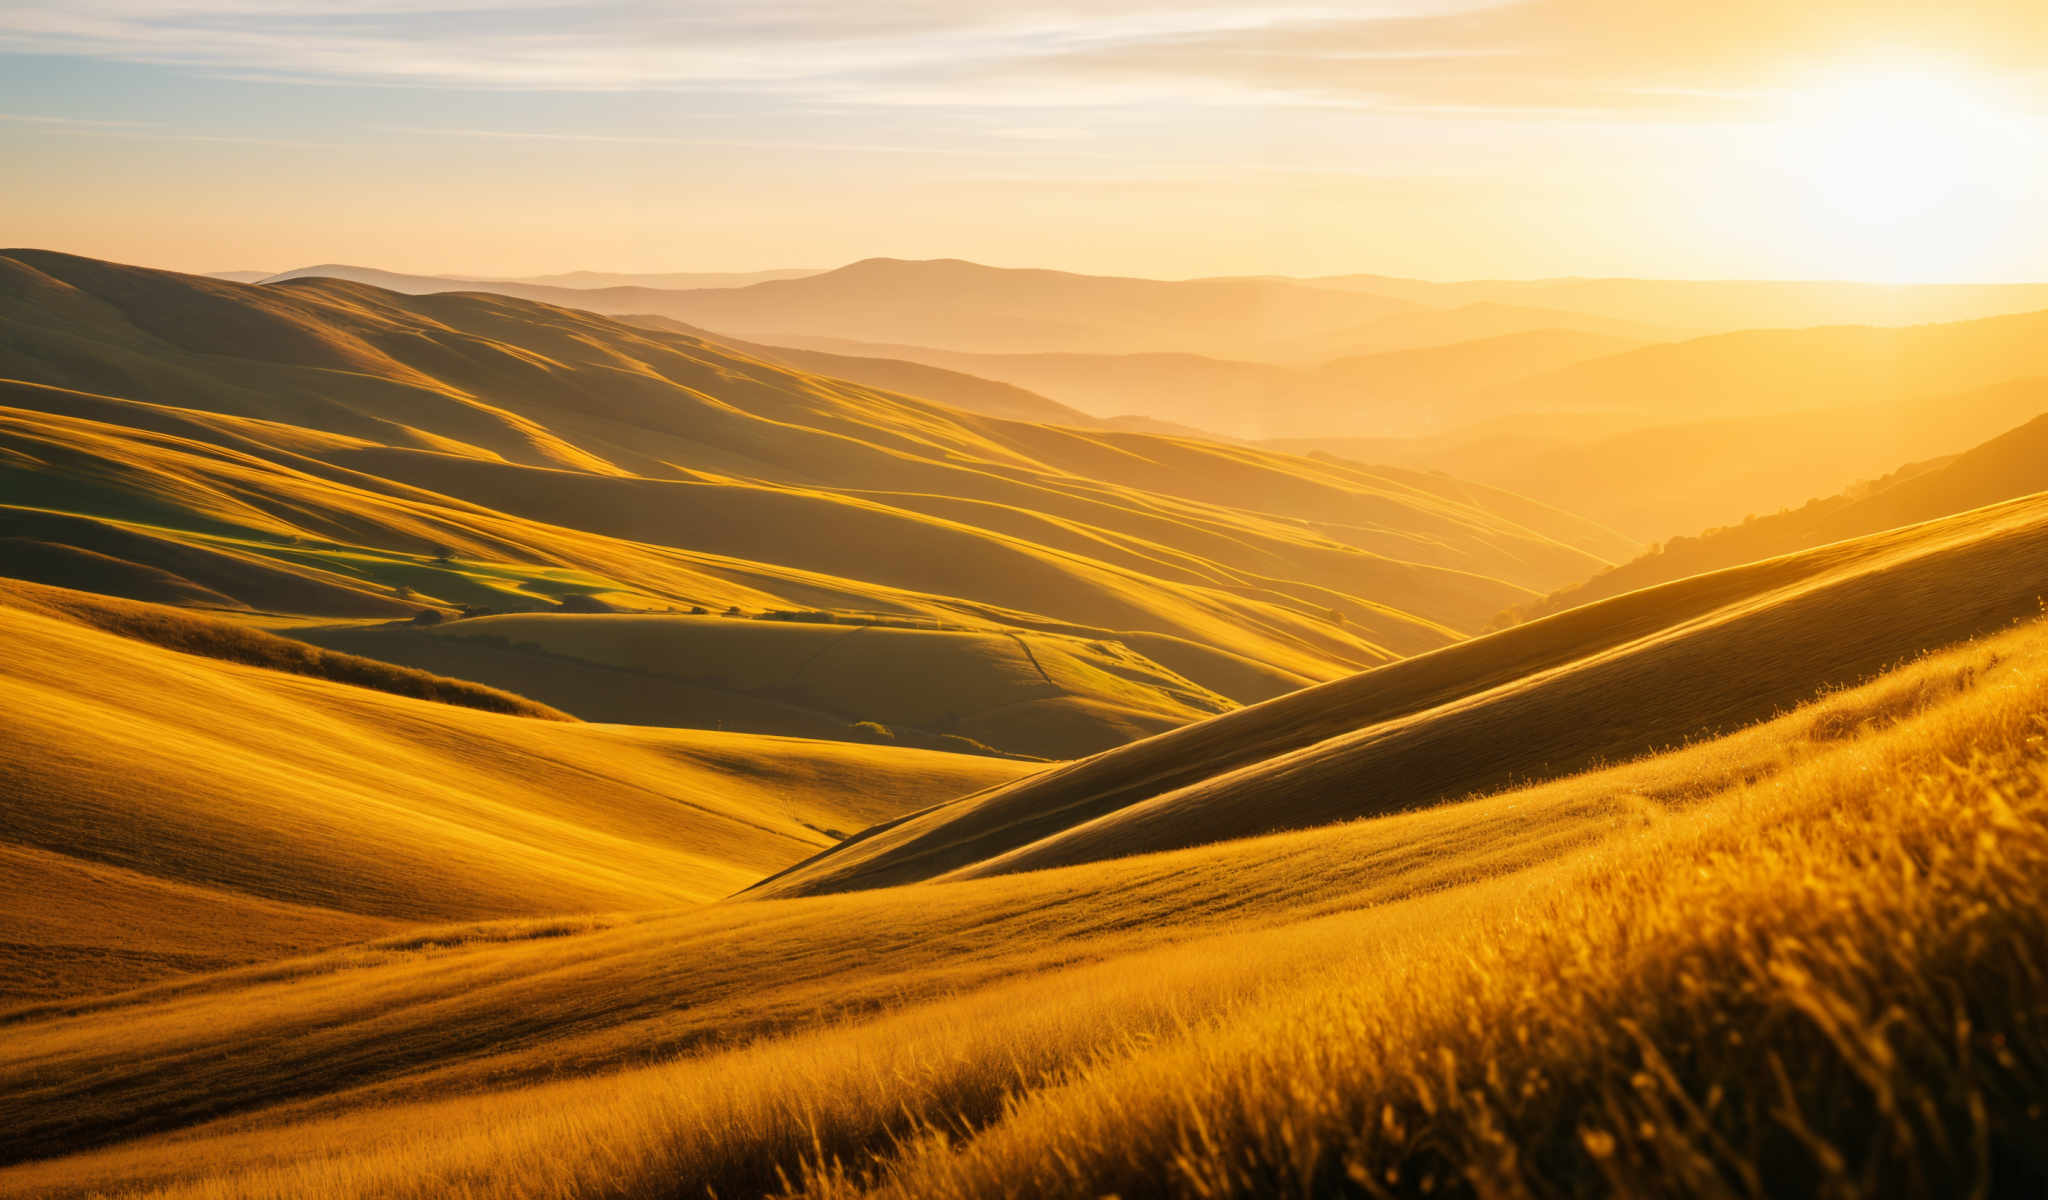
(168, 811)
(1543, 699)
(317, 885)
(1392, 601)
(1042, 695)
(326, 449)
(1560, 952)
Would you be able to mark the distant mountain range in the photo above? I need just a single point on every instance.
(1658, 407)
(1672, 439)
(950, 304)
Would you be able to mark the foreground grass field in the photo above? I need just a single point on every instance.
(1832, 985)
(1805, 958)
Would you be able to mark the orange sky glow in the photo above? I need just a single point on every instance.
(1439, 138)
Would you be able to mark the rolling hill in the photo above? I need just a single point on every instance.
(286, 921)
(1037, 694)
(533, 287)
(157, 831)
(1485, 321)
(182, 522)
(1761, 371)
(894, 301)
(1393, 393)
(325, 449)
(1052, 1024)
(656, 279)
(966, 306)
(956, 389)
(1545, 699)
(2012, 464)
(962, 306)
(1671, 440)
(1656, 441)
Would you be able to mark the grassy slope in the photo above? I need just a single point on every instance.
(2012, 464)
(168, 811)
(668, 441)
(1542, 699)
(288, 540)
(1561, 966)
(1854, 888)
(1045, 695)
(306, 537)
(1824, 985)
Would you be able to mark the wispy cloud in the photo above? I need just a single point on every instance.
(153, 131)
(71, 122)
(1009, 145)
(1000, 54)
(634, 43)
(1410, 55)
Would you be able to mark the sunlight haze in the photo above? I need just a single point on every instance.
(1434, 138)
(1023, 600)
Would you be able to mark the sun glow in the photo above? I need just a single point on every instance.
(1909, 163)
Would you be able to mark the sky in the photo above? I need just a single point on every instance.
(1877, 139)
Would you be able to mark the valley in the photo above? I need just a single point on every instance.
(465, 742)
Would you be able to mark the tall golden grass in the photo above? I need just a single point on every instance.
(1808, 959)
(1829, 984)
